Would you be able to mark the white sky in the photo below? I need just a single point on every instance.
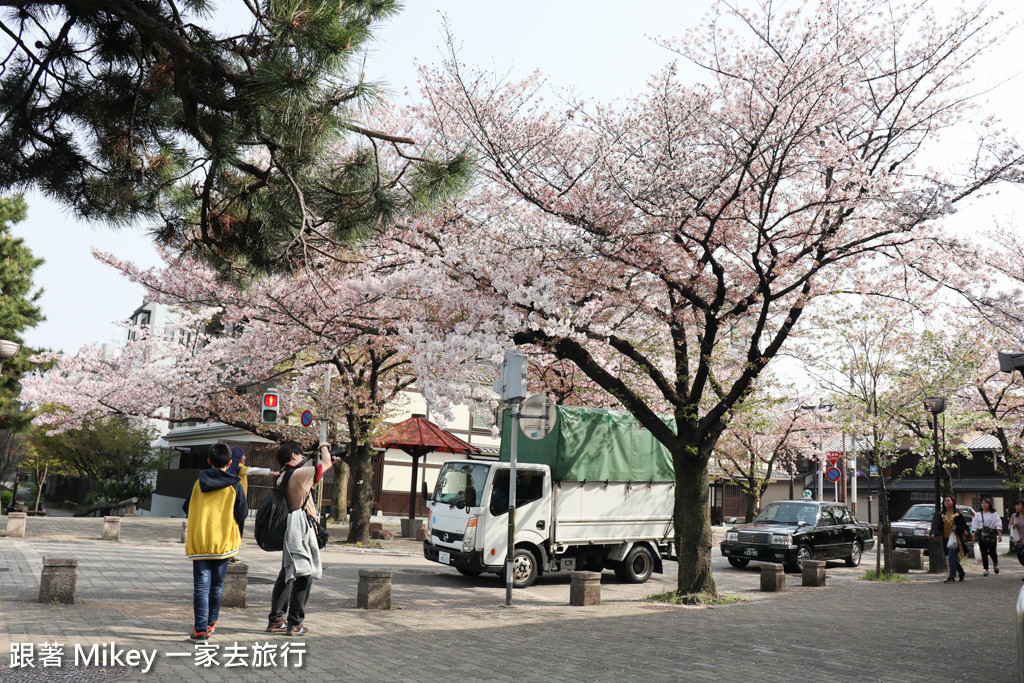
(597, 47)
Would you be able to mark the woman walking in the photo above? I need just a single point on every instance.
(988, 532)
(952, 528)
(1016, 526)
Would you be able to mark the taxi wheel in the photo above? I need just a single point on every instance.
(856, 552)
(738, 562)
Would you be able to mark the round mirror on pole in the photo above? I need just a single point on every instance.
(537, 416)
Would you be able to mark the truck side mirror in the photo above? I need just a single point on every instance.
(423, 492)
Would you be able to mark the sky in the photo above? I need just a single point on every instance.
(597, 49)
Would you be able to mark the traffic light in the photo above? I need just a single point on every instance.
(270, 406)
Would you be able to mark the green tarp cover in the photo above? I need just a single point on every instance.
(593, 444)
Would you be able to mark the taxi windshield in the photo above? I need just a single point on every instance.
(788, 513)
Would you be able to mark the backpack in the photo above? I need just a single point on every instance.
(272, 516)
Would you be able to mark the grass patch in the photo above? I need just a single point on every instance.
(371, 545)
(695, 599)
(887, 577)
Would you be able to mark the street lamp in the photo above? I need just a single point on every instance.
(936, 551)
(7, 350)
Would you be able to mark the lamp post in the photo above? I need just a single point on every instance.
(7, 350)
(936, 550)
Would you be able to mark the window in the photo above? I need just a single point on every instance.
(843, 515)
(529, 487)
(826, 518)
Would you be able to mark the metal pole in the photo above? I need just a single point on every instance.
(323, 439)
(1020, 636)
(935, 438)
(511, 552)
(853, 476)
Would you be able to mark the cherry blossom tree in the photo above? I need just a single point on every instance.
(668, 245)
(230, 343)
(766, 433)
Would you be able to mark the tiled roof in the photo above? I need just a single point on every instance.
(966, 484)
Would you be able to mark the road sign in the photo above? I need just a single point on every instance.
(833, 474)
(873, 470)
(808, 494)
(307, 418)
(833, 457)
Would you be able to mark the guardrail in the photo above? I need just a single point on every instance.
(1020, 636)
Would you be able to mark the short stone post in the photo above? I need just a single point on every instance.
(16, 524)
(58, 580)
(900, 561)
(773, 577)
(374, 590)
(111, 528)
(184, 531)
(916, 557)
(813, 573)
(585, 589)
(235, 581)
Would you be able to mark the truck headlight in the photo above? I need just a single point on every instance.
(469, 540)
(430, 526)
(781, 539)
(732, 536)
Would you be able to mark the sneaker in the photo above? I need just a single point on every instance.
(950, 580)
(298, 630)
(985, 574)
(277, 626)
(995, 569)
(962, 577)
(200, 636)
(211, 628)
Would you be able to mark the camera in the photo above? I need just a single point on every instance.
(339, 452)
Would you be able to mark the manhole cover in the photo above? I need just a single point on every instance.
(5, 569)
(420, 572)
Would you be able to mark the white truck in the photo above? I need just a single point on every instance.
(565, 519)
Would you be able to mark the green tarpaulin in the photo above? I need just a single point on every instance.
(593, 444)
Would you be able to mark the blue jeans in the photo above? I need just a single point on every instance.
(207, 588)
(954, 562)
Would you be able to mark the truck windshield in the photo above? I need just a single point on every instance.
(460, 483)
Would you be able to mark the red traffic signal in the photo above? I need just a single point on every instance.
(270, 407)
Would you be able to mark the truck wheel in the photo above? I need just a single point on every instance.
(637, 566)
(524, 568)
(738, 562)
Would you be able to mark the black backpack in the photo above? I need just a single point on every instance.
(272, 516)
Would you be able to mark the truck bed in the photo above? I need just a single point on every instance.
(596, 512)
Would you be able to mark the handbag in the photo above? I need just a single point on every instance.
(986, 534)
(321, 533)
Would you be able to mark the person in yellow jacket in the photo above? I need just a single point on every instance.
(216, 510)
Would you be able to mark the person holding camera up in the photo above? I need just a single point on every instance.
(300, 559)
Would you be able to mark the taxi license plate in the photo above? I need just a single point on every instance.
(900, 541)
(752, 552)
(444, 558)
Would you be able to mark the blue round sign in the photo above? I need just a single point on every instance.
(833, 474)
(307, 418)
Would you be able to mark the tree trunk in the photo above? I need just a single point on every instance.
(339, 494)
(884, 527)
(40, 481)
(362, 493)
(751, 508)
(693, 525)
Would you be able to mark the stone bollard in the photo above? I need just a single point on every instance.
(813, 573)
(16, 524)
(374, 590)
(57, 582)
(585, 589)
(184, 531)
(916, 557)
(111, 528)
(900, 561)
(773, 577)
(235, 581)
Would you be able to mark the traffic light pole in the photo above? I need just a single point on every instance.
(513, 453)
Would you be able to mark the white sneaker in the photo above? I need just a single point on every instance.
(985, 574)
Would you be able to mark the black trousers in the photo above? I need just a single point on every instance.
(289, 598)
(988, 549)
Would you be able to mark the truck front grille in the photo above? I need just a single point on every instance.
(447, 536)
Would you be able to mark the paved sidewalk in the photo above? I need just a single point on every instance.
(136, 594)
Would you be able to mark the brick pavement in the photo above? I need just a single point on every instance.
(137, 594)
